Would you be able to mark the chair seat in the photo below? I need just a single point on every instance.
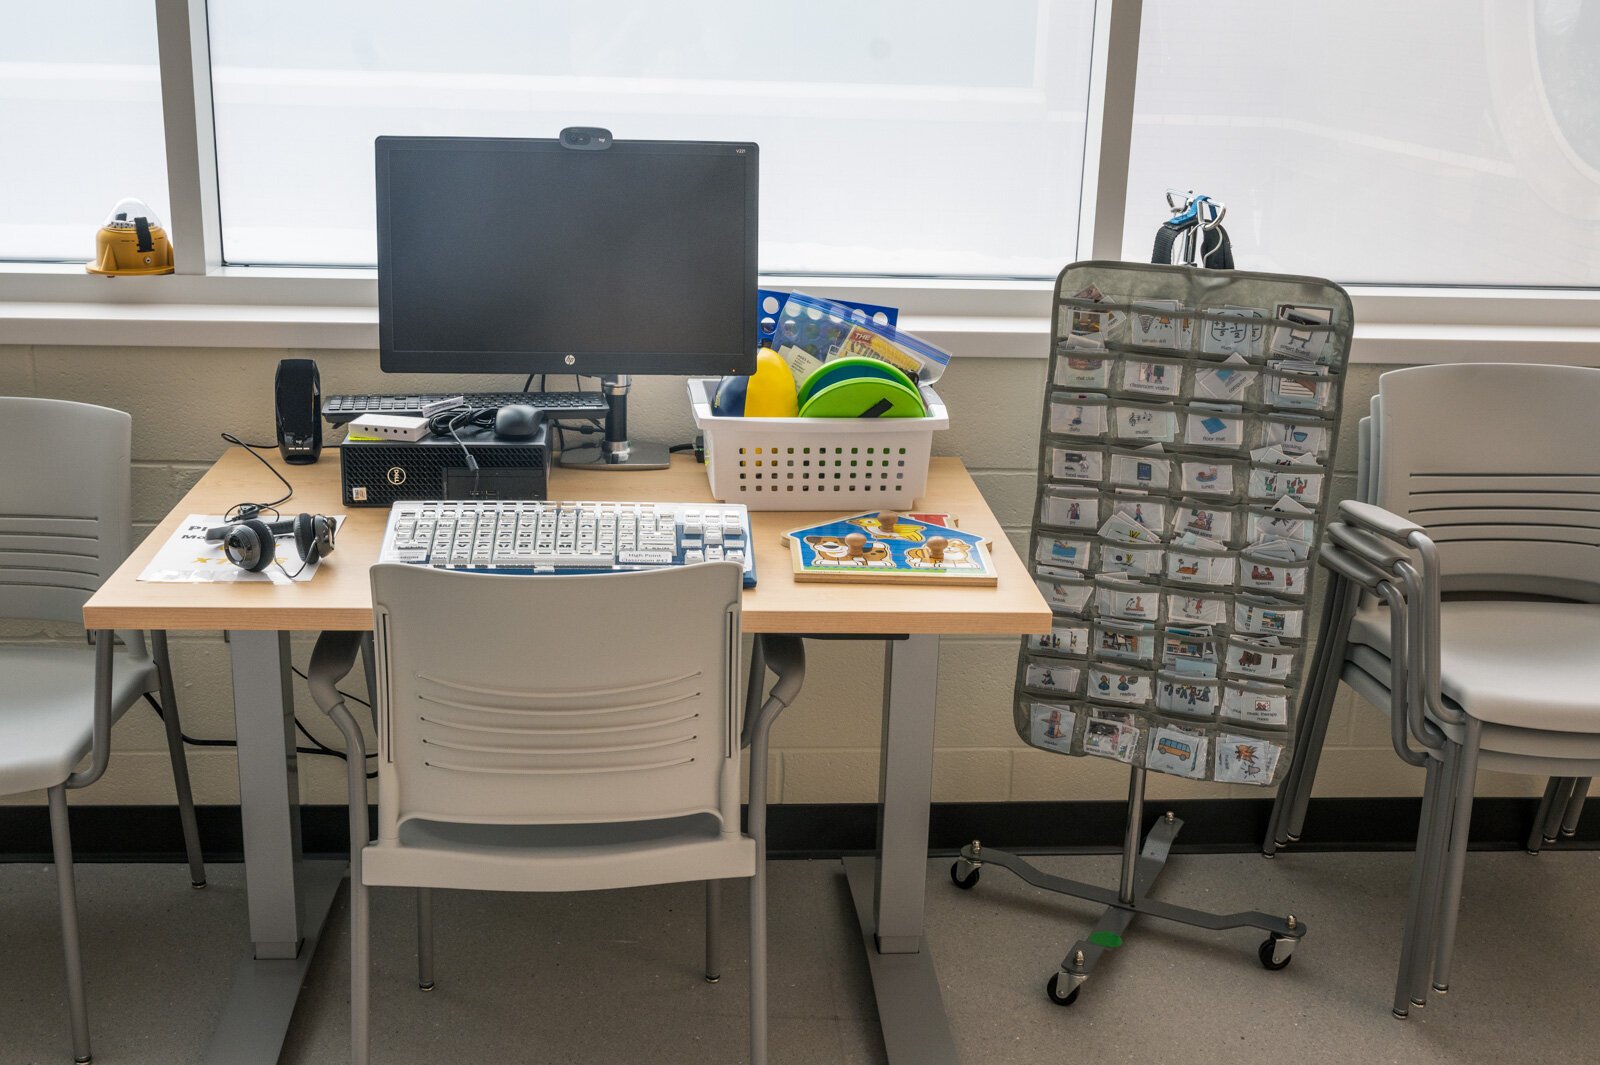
(557, 857)
(47, 709)
(1533, 665)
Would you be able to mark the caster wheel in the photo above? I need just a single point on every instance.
(1053, 989)
(1265, 953)
(965, 883)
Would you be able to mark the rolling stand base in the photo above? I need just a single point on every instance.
(1283, 933)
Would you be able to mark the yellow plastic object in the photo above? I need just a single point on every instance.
(131, 241)
(771, 393)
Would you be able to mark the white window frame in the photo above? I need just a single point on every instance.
(206, 304)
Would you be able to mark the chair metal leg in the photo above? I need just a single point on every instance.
(1574, 810)
(425, 938)
(1536, 833)
(360, 970)
(180, 761)
(369, 670)
(66, 889)
(1316, 709)
(1569, 820)
(1426, 935)
(1449, 906)
(713, 931)
(1558, 809)
(1410, 929)
(360, 931)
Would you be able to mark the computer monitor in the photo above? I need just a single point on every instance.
(576, 254)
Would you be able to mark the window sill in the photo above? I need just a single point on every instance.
(333, 309)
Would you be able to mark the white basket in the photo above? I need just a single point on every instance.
(816, 463)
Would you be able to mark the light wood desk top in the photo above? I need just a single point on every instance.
(339, 597)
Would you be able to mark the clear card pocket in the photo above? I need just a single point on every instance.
(1126, 600)
(1260, 705)
(1189, 696)
(1081, 465)
(1077, 416)
(1149, 471)
(1112, 734)
(1080, 370)
(1130, 687)
(1052, 726)
(1065, 594)
(1244, 758)
(1193, 608)
(1052, 675)
(1208, 478)
(1178, 749)
(1069, 508)
(1266, 617)
(1260, 659)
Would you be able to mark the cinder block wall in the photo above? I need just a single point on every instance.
(825, 749)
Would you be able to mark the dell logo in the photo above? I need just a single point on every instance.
(572, 360)
(396, 475)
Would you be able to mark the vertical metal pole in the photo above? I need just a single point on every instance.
(905, 789)
(1130, 840)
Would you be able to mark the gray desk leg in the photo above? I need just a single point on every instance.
(890, 891)
(288, 899)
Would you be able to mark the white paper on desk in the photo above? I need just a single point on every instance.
(186, 558)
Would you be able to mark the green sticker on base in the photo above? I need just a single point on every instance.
(1108, 940)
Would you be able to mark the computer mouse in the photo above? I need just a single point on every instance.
(518, 421)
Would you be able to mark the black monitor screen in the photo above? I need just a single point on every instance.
(527, 256)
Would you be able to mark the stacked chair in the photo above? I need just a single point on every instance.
(1466, 603)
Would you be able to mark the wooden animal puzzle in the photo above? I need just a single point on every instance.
(890, 546)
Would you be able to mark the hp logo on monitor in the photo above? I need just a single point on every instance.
(571, 360)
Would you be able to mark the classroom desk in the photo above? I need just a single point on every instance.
(289, 898)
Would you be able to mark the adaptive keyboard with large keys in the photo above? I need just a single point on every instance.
(507, 536)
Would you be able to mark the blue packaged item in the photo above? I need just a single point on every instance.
(769, 304)
(811, 330)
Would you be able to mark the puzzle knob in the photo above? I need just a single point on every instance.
(857, 544)
(936, 546)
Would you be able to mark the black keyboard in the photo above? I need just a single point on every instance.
(341, 409)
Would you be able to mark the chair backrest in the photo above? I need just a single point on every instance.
(1501, 463)
(543, 700)
(64, 504)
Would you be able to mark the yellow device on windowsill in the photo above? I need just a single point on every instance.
(131, 241)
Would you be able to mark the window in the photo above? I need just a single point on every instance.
(80, 118)
(1445, 143)
(905, 138)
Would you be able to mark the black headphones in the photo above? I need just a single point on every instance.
(249, 543)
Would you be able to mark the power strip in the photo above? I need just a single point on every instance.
(388, 427)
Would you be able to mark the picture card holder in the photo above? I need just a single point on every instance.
(1180, 593)
(1188, 435)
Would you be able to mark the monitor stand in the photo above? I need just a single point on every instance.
(615, 451)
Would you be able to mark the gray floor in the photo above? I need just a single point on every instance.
(614, 976)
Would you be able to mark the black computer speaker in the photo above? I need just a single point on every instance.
(298, 389)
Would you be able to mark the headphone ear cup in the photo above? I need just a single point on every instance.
(249, 545)
(305, 538)
(322, 530)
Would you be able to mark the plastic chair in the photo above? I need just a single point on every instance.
(1466, 601)
(560, 733)
(64, 527)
